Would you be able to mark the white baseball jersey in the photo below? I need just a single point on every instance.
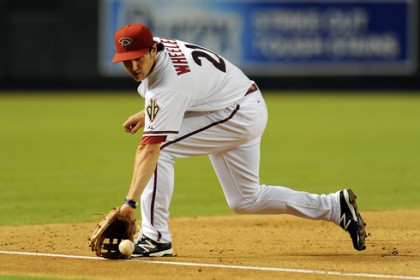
(187, 77)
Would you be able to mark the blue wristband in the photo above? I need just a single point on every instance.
(130, 203)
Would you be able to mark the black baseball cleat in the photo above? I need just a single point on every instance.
(146, 247)
(351, 220)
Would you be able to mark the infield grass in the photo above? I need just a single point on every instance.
(64, 156)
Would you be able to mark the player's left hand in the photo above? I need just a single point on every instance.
(110, 231)
(126, 210)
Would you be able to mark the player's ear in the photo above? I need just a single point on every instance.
(154, 48)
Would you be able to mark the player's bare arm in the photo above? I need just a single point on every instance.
(134, 122)
(145, 164)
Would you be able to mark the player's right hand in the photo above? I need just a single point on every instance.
(134, 123)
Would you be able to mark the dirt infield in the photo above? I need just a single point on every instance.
(232, 247)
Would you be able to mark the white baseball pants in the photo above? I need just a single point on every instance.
(231, 137)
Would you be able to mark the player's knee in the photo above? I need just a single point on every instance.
(240, 210)
(242, 207)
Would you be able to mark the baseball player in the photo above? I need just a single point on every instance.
(198, 103)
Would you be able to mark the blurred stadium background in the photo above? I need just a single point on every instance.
(283, 45)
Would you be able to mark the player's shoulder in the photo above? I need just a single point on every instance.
(168, 41)
(173, 46)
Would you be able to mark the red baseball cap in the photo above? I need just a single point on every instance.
(132, 41)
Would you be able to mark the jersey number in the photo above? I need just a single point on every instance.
(202, 52)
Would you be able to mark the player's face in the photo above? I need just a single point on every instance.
(140, 68)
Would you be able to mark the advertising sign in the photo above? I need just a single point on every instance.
(275, 38)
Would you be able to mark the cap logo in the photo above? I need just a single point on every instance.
(125, 42)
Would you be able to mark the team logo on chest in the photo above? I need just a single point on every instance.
(152, 109)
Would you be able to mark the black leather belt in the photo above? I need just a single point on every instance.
(252, 88)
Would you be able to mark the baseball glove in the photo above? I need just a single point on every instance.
(109, 232)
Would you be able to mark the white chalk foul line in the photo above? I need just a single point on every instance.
(241, 267)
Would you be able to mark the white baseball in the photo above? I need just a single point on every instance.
(126, 247)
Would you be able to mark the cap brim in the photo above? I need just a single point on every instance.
(119, 57)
